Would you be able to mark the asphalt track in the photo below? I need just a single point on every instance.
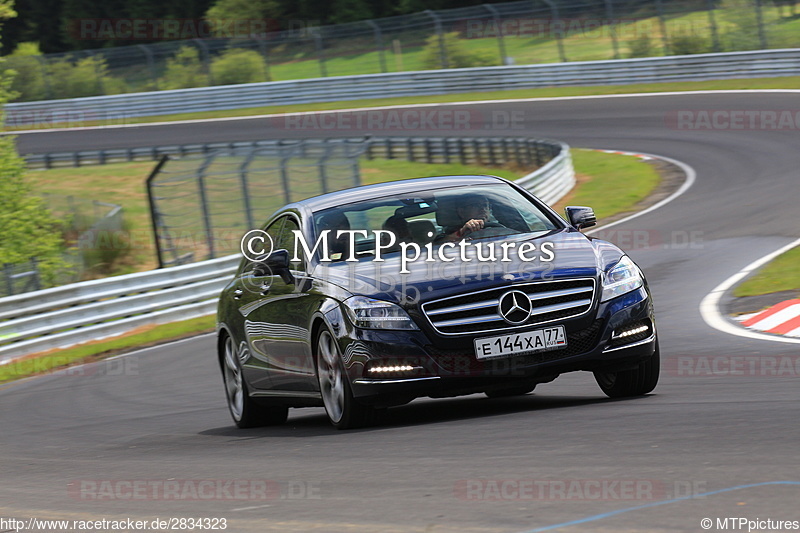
(159, 414)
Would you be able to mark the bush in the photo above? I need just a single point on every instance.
(27, 229)
(86, 77)
(457, 54)
(238, 66)
(689, 43)
(185, 70)
(642, 46)
(28, 81)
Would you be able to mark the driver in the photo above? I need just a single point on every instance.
(475, 212)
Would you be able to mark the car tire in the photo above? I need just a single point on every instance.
(635, 382)
(517, 390)
(245, 411)
(343, 410)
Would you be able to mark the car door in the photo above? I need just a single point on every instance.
(252, 294)
(279, 327)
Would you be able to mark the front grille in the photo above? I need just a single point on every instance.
(477, 312)
(459, 362)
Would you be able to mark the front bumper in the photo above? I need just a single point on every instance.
(420, 363)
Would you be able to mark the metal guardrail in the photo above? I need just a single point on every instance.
(766, 63)
(86, 311)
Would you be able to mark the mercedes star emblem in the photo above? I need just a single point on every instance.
(515, 307)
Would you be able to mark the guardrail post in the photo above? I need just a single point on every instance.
(663, 26)
(713, 23)
(151, 65)
(612, 26)
(560, 32)
(500, 40)
(437, 23)
(284, 161)
(378, 43)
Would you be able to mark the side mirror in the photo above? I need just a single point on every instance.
(277, 262)
(580, 217)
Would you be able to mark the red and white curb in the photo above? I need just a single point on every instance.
(782, 319)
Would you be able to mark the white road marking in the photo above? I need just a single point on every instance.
(709, 307)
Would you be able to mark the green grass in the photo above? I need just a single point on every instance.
(780, 274)
(609, 183)
(51, 362)
(789, 82)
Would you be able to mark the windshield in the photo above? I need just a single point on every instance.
(474, 212)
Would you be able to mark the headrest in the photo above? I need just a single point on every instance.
(422, 231)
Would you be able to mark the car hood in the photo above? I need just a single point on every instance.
(573, 255)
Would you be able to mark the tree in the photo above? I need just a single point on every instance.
(27, 229)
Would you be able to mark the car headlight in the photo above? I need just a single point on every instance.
(622, 278)
(369, 313)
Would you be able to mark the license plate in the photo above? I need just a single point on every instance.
(521, 343)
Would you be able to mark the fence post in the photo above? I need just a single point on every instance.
(437, 22)
(46, 75)
(762, 35)
(500, 41)
(663, 26)
(248, 209)
(9, 279)
(151, 65)
(378, 43)
(320, 53)
(560, 32)
(153, 211)
(262, 46)
(206, 60)
(713, 23)
(37, 282)
(97, 75)
(201, 185)
(612, 26)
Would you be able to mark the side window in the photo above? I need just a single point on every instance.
(273, 231)
(287, 242)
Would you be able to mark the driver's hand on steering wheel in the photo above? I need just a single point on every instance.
(474, 224)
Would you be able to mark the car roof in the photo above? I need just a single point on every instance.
(369, 192)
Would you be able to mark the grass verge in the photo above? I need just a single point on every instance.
(789, 82)
(610, 183)
(780, 274)
(54, 360)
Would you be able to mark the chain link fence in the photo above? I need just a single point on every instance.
(202, 205)
(87, 227)
(524, 32)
